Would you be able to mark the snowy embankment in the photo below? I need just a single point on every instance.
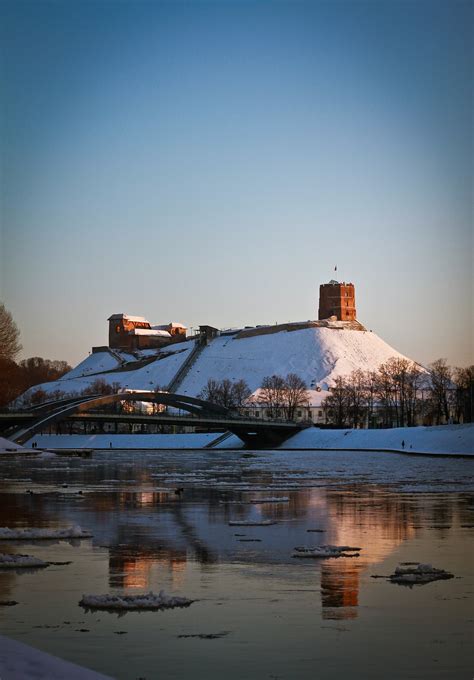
(6, 446)
(125, 441)
(158, 373)
(18, 660)
(440, 440)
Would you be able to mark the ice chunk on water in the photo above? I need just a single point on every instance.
(323, 551)
(38, 534)
(20, 561)
(129, 602)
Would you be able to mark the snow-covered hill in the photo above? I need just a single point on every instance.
(317, 354)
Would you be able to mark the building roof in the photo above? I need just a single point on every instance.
(149, 331)
(127, 317)
(172, 324)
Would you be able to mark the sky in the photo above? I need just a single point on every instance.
(212, 162)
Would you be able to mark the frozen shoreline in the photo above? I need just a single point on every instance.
(18, 660)
(442, 440)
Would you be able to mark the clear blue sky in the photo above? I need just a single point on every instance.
(212, 162)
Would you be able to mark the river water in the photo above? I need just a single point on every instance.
(269, 615)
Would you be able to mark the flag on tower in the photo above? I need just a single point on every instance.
(335, 268)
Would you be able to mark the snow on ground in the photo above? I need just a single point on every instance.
(126, 441)
(138, 602)
(6, 446)
(232, 442)
(94, 363)
(158, 373)
(318, 355)
(29, 534)
(442, 439)
(19, 661)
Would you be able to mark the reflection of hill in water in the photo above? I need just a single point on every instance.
(153, 534)
(376, 520)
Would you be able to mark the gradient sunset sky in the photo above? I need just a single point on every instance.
(212, 162)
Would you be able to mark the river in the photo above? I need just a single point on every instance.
(258, 611)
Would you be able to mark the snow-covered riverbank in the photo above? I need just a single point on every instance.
(18, 660)
(441, 440)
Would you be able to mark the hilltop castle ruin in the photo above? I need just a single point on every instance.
(337, 299)
(131, 333)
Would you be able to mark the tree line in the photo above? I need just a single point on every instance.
(280, 395)
(17, 377)
(401, 394)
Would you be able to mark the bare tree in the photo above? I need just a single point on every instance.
(37, 370)
(336, 403)
(464, 394)
(385, 394)
(241, 393)
(356, 398)
(9, 335)
(211, 391)
(295, 394)
(272, 394)
(441, 381)
(11, 381)
(370, 395)
(100, 386)
(232, 395)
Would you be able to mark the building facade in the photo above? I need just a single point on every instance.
(130, 333)
(337, 299)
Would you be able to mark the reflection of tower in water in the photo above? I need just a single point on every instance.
(377, 522)
(135, 570)
(339, 588)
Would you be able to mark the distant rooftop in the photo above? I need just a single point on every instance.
(137, 319)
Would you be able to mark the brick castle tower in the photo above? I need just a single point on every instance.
(337, 299)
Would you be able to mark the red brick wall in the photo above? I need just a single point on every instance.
(337, 299)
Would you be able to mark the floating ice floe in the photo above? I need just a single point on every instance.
(273, 499)
(422, 573)
(20, 561)
(76, 531)
(148, 601)
(250, 523)
(323, 551)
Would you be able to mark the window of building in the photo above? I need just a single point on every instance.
(257, 413)
(320, 413)
(299, 414)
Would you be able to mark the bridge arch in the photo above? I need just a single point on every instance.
(56, 411)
